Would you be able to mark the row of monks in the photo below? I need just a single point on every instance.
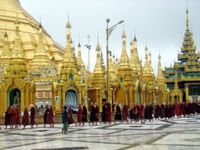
(122, 114)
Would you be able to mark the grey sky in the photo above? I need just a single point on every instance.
(159, 24)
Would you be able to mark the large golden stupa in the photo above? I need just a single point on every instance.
(34, 69)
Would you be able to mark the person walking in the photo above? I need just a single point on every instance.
(65, 120)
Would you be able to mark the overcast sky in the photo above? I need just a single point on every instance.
(159, 24)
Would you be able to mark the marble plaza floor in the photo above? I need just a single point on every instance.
(176, 134)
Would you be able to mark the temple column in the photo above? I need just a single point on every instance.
(130, 97)
(22, 100)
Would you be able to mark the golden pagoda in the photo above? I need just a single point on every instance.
(183, 79)
(96, 91)
(34, 69)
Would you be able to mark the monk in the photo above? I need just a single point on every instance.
(7, 117)
(79, 114)
(32, 116)
(84, 116)
(14, 118)
(96, 117)
(92, 113)
(25, 120)
(103, 114)
(118, 114)
(125, 113)
(50, 116)
(45, 115)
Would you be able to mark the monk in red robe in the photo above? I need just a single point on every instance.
(125, 113)
(32, 116)
(50, 117)
(25, 120)
(14, 116)
(7, 117)
(80, 114)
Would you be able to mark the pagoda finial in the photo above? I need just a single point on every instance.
(68, 27)
(146, 54)
(187, 19)
(150, 57)
(135, 39)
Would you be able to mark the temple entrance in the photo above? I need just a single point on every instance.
(72, 99)
(14, 97)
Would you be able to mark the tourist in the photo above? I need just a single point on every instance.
(25, 119)
(65, 120)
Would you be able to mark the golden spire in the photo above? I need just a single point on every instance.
(150, 64)
(17, 67)
(134, 59)
(160, 76)
(68, 27)
(6, 54)
(70, 64)
(98, 66)
(124, 59)
(124, 72)
(146, 70)
(17, 49)
(80, 60)
(40, 58)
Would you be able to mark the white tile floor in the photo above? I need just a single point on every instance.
(176, 134)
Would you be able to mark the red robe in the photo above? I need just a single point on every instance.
(50, 116)
(32, 116)
(25, 120)
(80, 114)
(124, 113)
(13, 120)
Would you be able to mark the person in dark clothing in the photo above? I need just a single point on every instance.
(84, 116)
(32, 116)
(45, 115)
(118, 114)
(92, 113)
(103, 114)
(65, 120)
(7, 117)
(25, 120)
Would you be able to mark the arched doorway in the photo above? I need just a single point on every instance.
(14, 97)
(72, 99)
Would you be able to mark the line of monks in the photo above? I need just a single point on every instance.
(14, 120)
(121, 114)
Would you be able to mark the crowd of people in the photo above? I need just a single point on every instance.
(122, 114)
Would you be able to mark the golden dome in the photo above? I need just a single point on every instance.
(10, 11)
